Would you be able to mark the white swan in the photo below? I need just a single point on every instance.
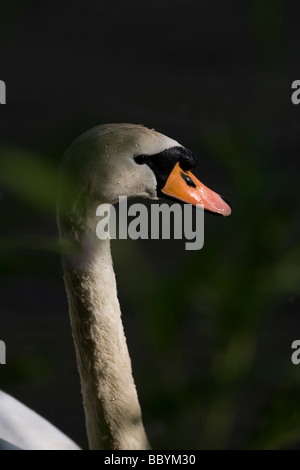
(104, 163)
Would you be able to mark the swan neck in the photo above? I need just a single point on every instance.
(112, 410)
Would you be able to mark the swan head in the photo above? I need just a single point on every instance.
(130, 160)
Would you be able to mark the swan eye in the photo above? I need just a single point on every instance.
(162, 164)
(141, 159)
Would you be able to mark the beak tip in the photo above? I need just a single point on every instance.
(227, 210)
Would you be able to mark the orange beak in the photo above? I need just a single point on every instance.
(183, 185)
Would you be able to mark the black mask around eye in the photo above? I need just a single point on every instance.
(163, 163)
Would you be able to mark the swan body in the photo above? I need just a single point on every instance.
(102, 164)
(22, 428)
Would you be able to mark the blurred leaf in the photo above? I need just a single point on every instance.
(31, 178)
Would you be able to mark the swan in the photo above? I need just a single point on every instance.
(104, 163)
(22, 428)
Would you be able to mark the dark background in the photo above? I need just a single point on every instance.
(209, 332)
